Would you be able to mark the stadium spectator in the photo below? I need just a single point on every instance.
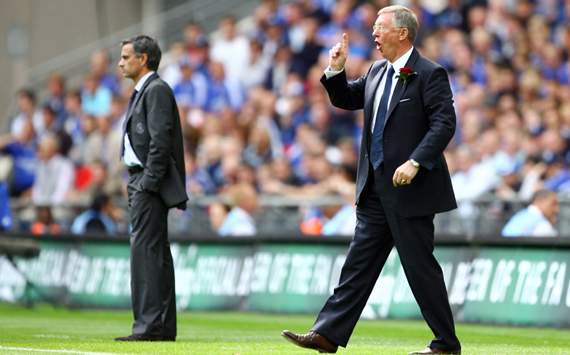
(341, 220)
(169, 68)
(92, 179)
(100, 61)
(217, 213)
(54, 174)
(56, 98)
(224, 91)
(192, 89)
(291, 108)
(104, 143)
(49, 121)
(309, 50)
(44, 222)
(537, 220)
(556, 175)
(227, 45)
(27, 111)
(507, 62)
(277, 177)
(259, 150)
(281, 65)
(50, 127)
(254, 73)
(194, 38)
(72, 123)
(118, 112)
(20, 167)
(95, 98)
(338, 218)
(80, 153)
(239, 221)
(531, 173)
(273, 35)
(6, 220)
(98, 219)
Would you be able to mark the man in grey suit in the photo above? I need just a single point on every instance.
(402, 181)
(153, 151)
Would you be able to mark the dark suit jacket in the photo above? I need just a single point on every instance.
(153, 125)
(420, 122)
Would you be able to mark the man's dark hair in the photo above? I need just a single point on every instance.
(229, 18)
(49, 109)
(145, 45)
(29, 94)
(75, 93)
(99, 202)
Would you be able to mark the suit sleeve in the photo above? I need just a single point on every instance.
(344, 94)
(160, 114)
(438, 106)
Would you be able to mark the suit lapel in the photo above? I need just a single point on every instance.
(396, 96)
(137, 98)
(400, 87)
(369, 100)
(374, 85)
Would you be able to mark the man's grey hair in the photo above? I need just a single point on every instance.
(542, 194)
(403, 17)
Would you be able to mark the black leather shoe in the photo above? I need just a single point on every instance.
(429, 350)
(145, 337)
(311, 340)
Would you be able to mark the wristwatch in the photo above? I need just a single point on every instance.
(415, 163)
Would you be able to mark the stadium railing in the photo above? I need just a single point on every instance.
(282, 215)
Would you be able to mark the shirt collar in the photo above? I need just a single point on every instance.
(143, 80)
(401, 62)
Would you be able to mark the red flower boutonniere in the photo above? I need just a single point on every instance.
(406, 74)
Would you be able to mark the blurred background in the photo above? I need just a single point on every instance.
(267, 155)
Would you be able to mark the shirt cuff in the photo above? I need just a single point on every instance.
(329, 72)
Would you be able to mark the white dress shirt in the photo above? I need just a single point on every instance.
(129, 157)
(238, 223)
(398, 64)
(54, 181)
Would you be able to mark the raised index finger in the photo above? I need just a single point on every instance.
(344, 42)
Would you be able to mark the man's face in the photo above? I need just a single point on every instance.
(99, 63)
(25, 104)
(387, 36)
(228, 29)
(187, 71)
(550, 208)
(130, 64)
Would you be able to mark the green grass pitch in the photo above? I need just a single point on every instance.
(45, 330)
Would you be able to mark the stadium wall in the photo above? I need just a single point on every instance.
(35, 31)
(490, 280)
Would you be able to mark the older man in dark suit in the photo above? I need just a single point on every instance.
(153, 151)
(402, 181)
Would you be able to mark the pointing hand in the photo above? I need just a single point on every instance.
(338, 53)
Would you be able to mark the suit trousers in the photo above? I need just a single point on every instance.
(378, 229)
(152, 270)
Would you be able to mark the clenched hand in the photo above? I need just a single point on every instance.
(404, 174)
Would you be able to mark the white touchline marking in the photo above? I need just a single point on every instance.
(52, 336)
(13, 348)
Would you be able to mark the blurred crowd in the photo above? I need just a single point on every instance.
(257, 122)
